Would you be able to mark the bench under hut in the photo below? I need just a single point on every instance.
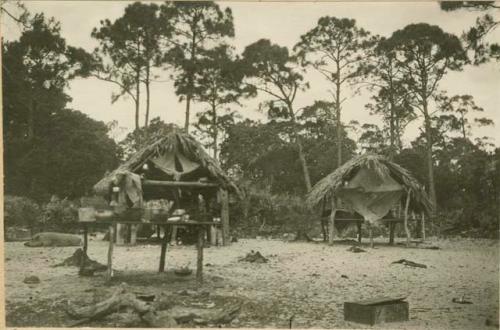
(369, 189)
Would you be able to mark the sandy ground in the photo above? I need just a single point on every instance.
(303, 280)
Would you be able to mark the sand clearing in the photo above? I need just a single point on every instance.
(303, 280)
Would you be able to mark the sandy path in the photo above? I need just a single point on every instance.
(301, 279)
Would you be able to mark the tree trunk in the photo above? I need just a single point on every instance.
(339, 119)
(302, 156)
(392, 132)
(31, 121)
(190, 78)
(137, 88)
(430, 166)
(147, 82)
(216, 130)
(188, 104)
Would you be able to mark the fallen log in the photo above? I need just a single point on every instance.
(201, 316)
(120, 298)
(409, 263)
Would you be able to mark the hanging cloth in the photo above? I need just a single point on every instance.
(371, 194)
(174, 164)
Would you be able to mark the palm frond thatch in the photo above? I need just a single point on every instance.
(329, 185)
(178, 142)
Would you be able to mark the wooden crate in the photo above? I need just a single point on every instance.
(375, 311)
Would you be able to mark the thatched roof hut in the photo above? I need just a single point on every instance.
(176, 156)
(332, 184)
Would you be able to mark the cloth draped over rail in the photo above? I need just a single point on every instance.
(372, 194)
(130, 186)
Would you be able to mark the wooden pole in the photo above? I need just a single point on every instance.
(85, 238)
(225, 217)
(332, 222)
(392, 225)
(359, 224)
(199, 263)
(423, 226)
(370, 233)
(193, 184)
(407, 230)
(109, 273)
(163, 252)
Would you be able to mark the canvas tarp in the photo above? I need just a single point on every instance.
(371, 194)
(167, 163)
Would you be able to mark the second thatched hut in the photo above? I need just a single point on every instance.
(370, 186)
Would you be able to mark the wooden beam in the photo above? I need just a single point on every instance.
(109, 273)
(392, 226)
(225, 217)
(332, 222)
(407, 230)
(199, 259)
(187, 184)
(163, 252)
(423, 226)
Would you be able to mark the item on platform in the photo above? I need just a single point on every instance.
(204, 179)
(174, 219)
(157, 209)
(179, 212)
(105, 215)
(86, 214)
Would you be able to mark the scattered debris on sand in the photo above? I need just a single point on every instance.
(461, 300)
(254, 256)
(356, 249)
(31, 279)
(150, 311)
(80, 259)
(409, 263)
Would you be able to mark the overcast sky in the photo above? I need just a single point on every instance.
(282, 23)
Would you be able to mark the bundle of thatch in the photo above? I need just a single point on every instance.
(176, 142)
(330, 185)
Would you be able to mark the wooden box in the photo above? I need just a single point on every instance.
(377, 310)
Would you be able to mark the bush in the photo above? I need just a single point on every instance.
(263, 213)
(21, 212)
(59, 215)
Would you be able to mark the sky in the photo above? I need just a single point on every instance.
(283, 23)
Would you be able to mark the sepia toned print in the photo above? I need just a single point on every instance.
(188, 164)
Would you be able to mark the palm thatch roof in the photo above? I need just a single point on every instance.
(332, 183)
(175, 142)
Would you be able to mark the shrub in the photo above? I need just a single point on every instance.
(21, 212)
(60, 215)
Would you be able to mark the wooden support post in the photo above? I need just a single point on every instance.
(173, 237)
(225, 217)
(392, 226)
(133, 234)
(423, 226)
(85, 238)
(332, 222)
(407, 230)
(370, 233)
(213, 235)
(359, 224)
(163, 253)
(112, 230)
(199, 261)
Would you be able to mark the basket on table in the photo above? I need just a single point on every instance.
(155, 214)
